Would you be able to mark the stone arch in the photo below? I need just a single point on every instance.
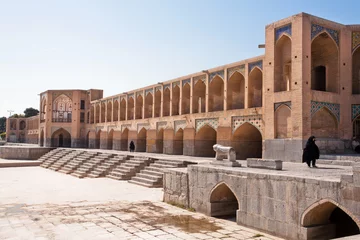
(199, 97)
(328, 220)
(324, 63)
(102, 115)
(124, 140)
(141, 141)
(166, 102)
(41, 138)
(148, 105)
(92, 112)
(130, 109)
(97, 117)
(22, 125)
(122, 109)
(205, 139)
(139, 107)
(43, 110)
(97, 139)
(216, 94)
(282, 68)
(179, 142)
(157, 107)
(356, 71)
(61, 138)
(116, 111)
(110, 139)
(223, 201)
(324, 124)
(236, 91)
(62, 109)
(160, 141)
(255, 88)
(247, 141)
(283, 122)
(185, 107)
(175, 100)
(108, 111)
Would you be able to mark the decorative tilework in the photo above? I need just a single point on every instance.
(212, 122)
(185, 82)
(277, 105)
(147, 91)
(124, 126)
(282, 30)
(142, 125)
(158, 88)
(316, 29)
(166, 86)
(140, 93)
(202, 78)
(332, 107)
(218, 73)
(255, 120)
(355, 40)
(355, 111)
(258, 64)
(240, 69)
(160, 125)
(174, 84)
(131, 96)
(179, 124)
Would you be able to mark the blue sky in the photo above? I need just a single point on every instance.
(120, 45)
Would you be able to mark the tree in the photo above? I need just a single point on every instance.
(2, 124)
(29, 112)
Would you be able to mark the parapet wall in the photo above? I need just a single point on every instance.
(23, 152)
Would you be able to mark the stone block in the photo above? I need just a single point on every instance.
(264, 163)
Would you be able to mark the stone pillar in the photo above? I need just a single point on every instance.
(246, 78)
(126, 107)
(135, 100)
(191, 94)
(189, 142)
(151, 141)
(171, 98)
(143, 106)
(225, 89)
(95, 113)
(168, 141)
(117, 140)
(207, 93)
(112, 110)
(180, 98)
(161, 102)
(153, 103)
(106, 111)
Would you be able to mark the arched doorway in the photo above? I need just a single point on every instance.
(199, 97)
(324, 124)
(223, 202)
(205, 139)
(157, 107)
(123, 110)
(185, 108)
(108, 112)
(236, 92)
(283, 122)
(178, 142)
(282, 69)
(139, 107)
(130, 109)
(148, 105)
(175, 100)
(42, 138)
(141, 141)
(110, 139)
(116, 111)
(329, 220)
(61, 138)
(166, 102)
(103, 109)
(247, 142)
(216, 94)
(97, 113)
(255, 88)
(124, 140)
(160, 141)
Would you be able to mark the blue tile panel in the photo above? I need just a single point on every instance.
(332, 107)
(282, 30)
(316, 29)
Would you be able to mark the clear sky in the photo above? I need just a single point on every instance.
(119, 46)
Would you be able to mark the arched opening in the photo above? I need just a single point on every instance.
(122, 110)
(22, 125)
(139, 107)
(166, 102)
(283, 122)
(87, 140)
(97, 113)
(178, 142)
(43, 110)
(356, 127)
(255, 88)
(216, 94)
(124, 140)
(324, 64)
(42, 138)
(110, 139)
(130, 109)
(108, 112)
(97, 139)
(116, 111)
(141, 141)
(328, 220)
(61, 138)
(62, 109)
(103, 110)
(185, 108)
(236, 92)
(247, 142)
(223, 202)
(205, 139)
(148, 105)
(324, 124)
(175, 101)
(160, 141)
(356, 71)
(92, 112)
(199, 97)
(282, 68)
(157, 107)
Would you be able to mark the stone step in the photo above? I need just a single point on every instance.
(158, 165)
(170, 162)
(114, 177)
(134, 165)
(149, 176)
(155, 169)
(146, 182)
(78, 174)
(150, 172)
(123, 176)
(93, 175)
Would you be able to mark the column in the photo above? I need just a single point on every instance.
(191, 94)
(171, 91)
(134, 113)
(153, 103)
(180, 98)
(143, 106)
(207, 93)
(246, 73)
(162, 99)
(106, 111)
(225, 89)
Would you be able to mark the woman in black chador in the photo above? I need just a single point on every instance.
(311, 152)
(132, 146)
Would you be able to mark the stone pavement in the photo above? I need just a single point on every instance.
(37, 203)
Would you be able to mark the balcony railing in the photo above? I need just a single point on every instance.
(61, 120)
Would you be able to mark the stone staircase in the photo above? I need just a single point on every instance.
(105, 167)
(84, 169)
(66, 159)
(46, 156)
(78, 161)
(152, 175)
(127, 170)
(55, 157)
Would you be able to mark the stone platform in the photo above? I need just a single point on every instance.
(23, 151)
(18, 163)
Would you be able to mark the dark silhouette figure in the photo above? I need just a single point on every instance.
(311, 152)
(132, 146)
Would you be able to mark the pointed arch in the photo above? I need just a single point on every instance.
(166, 102)
(282, 68)
(160, 141)
(122, 109)
(130, 109)
(324, 63)
(356, 71)
(247, 142)
(61, 138)
(175, 101)
(97, 139)
(97, 113)
(199, 97)
(109, 111)
(92, 114)
(43, 110)
(216, 94)
(103, 110)
(22, 125)
(185, 107)
(283, 122)
(255, 88)
(116, 111)
(124, 139)
(141, 140)
(149, 105)
(236, 91)
(324, 124)
(205, 139)
(139, 107)
(223, 201)
(178, 142)
(62, 109)
(110, 139)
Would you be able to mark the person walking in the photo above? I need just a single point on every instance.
(311, 152)
(132, 146)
